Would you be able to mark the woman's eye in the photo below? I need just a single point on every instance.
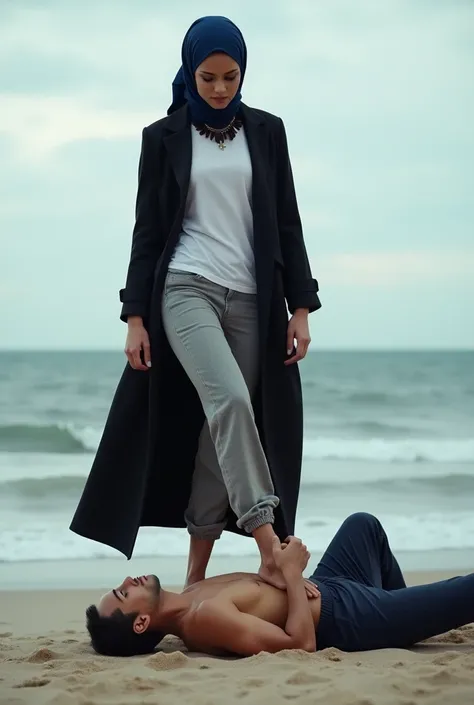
(207, 80)
(231, 78)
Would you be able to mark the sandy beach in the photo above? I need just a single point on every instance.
(45, 659)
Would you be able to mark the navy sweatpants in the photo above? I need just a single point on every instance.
(365, 603)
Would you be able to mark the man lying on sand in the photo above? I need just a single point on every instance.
(363, 604)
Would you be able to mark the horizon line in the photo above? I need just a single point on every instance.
(311, 351)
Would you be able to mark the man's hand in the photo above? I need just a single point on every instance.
(298, 329)
(311, 590)
(293, 557)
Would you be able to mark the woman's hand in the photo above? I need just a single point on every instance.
(298, 329)
(137, 341)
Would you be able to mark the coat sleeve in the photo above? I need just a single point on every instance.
(300, 287)
(146, 241)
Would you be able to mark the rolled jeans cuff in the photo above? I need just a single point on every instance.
(209, 532)
(253, 520)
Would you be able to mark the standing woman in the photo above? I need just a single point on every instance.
(205, 429)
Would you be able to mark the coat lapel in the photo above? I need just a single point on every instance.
(179, 147)
(264, 236)
(255, 132)
(258, 143)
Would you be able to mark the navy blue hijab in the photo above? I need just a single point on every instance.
(207, 36)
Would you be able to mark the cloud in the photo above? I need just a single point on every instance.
(40, 125)
(378, 108)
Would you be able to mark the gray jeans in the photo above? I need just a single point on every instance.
(213, 332)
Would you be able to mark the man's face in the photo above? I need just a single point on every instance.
(133, 595)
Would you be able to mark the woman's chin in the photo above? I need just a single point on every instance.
(218, 104)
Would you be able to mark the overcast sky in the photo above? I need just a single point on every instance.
(378, 101)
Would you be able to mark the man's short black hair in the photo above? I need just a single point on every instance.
(114, 635)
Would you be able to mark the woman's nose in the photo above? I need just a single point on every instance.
(220, 87)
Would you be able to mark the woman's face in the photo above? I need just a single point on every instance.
(217, 80)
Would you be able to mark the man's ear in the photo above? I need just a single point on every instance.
(141, 623)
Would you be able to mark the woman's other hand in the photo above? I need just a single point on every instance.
(298, 329)
(137, 341)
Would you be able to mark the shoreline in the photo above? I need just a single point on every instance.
(100, 573)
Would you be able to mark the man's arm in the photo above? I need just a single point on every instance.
(220, 625)
(299, 623)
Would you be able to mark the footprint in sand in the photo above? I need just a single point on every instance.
(305, 677)
(33, 683)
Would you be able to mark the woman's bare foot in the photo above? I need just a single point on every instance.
(264, 536)
(272, 576)
(276, 579)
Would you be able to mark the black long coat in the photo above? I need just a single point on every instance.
(141, 475)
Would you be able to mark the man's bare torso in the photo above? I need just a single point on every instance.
(245, 591)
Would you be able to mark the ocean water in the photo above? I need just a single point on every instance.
(387, 432)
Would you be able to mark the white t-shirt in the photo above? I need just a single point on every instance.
(217, 232)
